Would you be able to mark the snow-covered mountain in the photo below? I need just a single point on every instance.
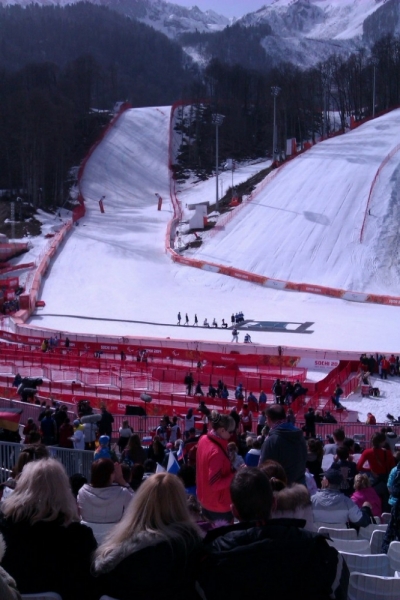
(302, 31)
(171, 19)
(319, 19)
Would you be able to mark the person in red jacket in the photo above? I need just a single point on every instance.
(214, 471)
(385, 366)
(381, 462)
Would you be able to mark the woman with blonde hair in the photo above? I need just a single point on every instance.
(153, 548)
(363, 492)
(214, 471)
(47, 549)
(291, 501)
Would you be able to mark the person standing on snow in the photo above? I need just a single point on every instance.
(186, 319)
(179, 318)
(235, 335)
(196, 321)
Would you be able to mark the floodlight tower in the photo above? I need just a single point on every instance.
(275, 91)
(217, 120)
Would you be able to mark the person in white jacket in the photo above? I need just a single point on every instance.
(108, 495)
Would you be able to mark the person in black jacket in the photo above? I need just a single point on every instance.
(263, 558)
(47, 548)
(285, 444)
(105, 423)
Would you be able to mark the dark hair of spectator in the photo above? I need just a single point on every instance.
(188, 475)
(343, 452)
(276, 412)
(102, 469)
(338, 435)
(377, 439)
(77, 480)
(251, 495)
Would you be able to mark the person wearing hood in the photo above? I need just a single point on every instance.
(285, 444)
(108, 495)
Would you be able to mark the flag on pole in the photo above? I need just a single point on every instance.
(179, 454)
(173, 466)
(160, 469)
(9, 418)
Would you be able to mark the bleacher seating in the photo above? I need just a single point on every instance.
(365, 533)
(339, 534)
(372, 564)
(352, 546)
(376, 541)
(394, 556)
(372, 587)
(42, 596)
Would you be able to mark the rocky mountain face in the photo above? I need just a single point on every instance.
(166, 17)
(302, 31)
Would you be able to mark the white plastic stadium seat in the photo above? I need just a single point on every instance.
(372, 564)
(394, 555)
(339, 534)
(385, 517)
(373, 587)
(42, 596)
(365, 533)
(100, 530)
(318, 524)
(352, 546)
(376, 541)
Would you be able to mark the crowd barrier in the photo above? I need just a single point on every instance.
(373, 184)
(74, 461)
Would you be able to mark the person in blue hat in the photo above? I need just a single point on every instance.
(103, 451)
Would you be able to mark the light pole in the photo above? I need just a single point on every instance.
(217, 120)
(275, 91)
(375, 64)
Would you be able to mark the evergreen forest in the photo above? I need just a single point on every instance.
(62, 69)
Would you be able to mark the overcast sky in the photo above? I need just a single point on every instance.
(228, 8)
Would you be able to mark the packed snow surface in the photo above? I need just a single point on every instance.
(113, 276)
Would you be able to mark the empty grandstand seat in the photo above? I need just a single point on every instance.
(372, 564)
(385, 517)
(365, 533)
(376, 541)
(394, 555)
(42, 596)
(352, 546)
(373, 587)
(318, 524)
(339, 534)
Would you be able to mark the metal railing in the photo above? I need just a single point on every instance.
(74, 461)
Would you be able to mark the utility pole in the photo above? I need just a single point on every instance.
(375, 64)
(217, 120)
(275, 91)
